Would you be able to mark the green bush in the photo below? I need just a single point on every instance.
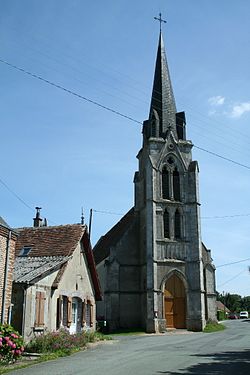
(56, 341)
(11, 344)
(62, 341)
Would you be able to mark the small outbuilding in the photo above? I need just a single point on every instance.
(55, 281)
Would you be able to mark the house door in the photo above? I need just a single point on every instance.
(175, 303)
(73, 326)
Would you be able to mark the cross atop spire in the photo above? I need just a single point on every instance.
(160, 20)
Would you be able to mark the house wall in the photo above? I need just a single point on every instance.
(75, 282)
(29, 328)
(4, 233)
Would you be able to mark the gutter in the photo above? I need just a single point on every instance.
(6, 269)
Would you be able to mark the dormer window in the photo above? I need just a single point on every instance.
(24, 251)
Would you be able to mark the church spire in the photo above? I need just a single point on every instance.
(162, 108)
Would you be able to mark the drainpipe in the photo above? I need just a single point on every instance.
(6, 269)
(24, 310)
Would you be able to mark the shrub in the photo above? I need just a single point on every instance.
(11, 344)
(61, 341)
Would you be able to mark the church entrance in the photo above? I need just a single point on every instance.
(175, 303)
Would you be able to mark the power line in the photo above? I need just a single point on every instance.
(233, 278)
(224, 217)
(69, 91)
(229, 264)
(15, 195)
(105, 107)
(222, 157)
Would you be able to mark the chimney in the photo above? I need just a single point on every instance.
(37, 220)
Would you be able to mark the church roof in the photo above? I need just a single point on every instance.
(102, 249)
(162, 95)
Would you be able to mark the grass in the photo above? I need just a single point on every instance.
(213, 327)
(127, 332)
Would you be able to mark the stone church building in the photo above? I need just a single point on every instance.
(154, 270)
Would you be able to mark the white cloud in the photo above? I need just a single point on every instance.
(216, 100)
(239, 109)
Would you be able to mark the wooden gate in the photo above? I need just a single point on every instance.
(175, 303)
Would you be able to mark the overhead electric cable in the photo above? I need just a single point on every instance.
(69, 91)
(15, 195)
(229, 264)
(105, 107)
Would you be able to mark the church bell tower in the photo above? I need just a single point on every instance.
(154, 269)
(167, 202)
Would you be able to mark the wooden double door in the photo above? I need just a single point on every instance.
(175, 303)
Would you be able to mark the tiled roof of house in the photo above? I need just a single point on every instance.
(41, 250)
(50, 241)
(30, 269)
(102, 248)
(221, 306)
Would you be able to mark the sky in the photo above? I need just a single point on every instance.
(62, 152)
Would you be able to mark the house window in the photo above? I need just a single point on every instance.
(40, 304)
(165, 184)
(166, 224)
(24, 251)
(176, 185)
(177, 224)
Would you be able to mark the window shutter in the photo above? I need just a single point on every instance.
(69, 311)
(83, 313)
(40, 304)
(91, 315)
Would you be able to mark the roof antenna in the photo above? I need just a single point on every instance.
(82, 217)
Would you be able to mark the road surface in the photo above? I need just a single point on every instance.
(226, 352)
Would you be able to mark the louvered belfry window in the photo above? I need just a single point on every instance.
(177, 224)
(166, 224)
(176, 185)
(165, 183)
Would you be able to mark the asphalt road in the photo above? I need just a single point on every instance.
(226, 352)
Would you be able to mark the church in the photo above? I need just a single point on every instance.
(155, 272)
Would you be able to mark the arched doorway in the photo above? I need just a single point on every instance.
(175, 303)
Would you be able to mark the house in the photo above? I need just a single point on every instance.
(8, 239)
(154, 270)
(222, 310)
(55, 280)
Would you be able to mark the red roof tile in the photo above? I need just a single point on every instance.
(50, 241)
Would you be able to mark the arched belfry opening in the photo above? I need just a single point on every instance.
(175, 302)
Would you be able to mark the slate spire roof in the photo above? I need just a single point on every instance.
(162, 100)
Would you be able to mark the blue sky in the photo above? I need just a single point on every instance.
(61, 152)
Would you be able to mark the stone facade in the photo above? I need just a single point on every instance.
(155, 271)
(7, 256)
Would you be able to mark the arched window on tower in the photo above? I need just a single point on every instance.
(165, 183)
(177, 224)
(166, 224)
(176, 185)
